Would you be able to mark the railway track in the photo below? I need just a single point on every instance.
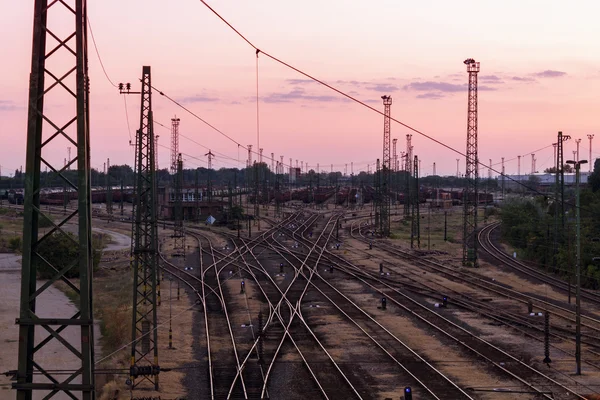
(486, 244)
(436, 267)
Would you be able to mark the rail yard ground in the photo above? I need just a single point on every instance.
(328, 335)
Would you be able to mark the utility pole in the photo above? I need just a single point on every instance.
(532, 163)
(144, 343)
(69, 157)
(74, 84)
(471, 195)
(577, 141)
(174, 144)
(457, 170)
(590, 137)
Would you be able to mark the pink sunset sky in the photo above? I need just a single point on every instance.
(540, 73)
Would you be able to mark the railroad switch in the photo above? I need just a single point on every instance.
(383, 303)
(242, 287)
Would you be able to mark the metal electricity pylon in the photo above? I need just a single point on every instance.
(559, 196)
(384, 216)
(415, 211)
(109, 206)
(46, 127)
(470, 194)
(174, 143)
(178, 231)
(377, 200)
(144, 344)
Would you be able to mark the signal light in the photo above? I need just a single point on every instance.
(407, 393)
(445, 301)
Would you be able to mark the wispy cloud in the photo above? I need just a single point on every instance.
(299, 81)
(523, 79)
(445, 87)
(383, 87)
(491, 79)
(430, 96)
(550, 74)
(300, 95)
(7, 105)
(198, 98)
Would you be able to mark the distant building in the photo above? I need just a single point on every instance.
(543, 180)
(295, 174)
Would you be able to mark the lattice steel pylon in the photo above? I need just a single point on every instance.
(109, 206)
(178, 232)
(470, 194)
(384, 216)
(559, 196)
(415, 210)
(144, 347)
(174, 143)
(45, 127)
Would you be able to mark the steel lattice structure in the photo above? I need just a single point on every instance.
(415, 210)
(178, 231)
(470, 194)
(559, 195)
(144, 348)
(174, 143)
(44, 129)
(384, 215)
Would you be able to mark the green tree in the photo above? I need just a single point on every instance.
(594, 178)
(61, 250)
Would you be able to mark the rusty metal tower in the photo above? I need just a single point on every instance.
(174, 144)
(46, 128)
(144, 343)
(384, 216)
(470, 195)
